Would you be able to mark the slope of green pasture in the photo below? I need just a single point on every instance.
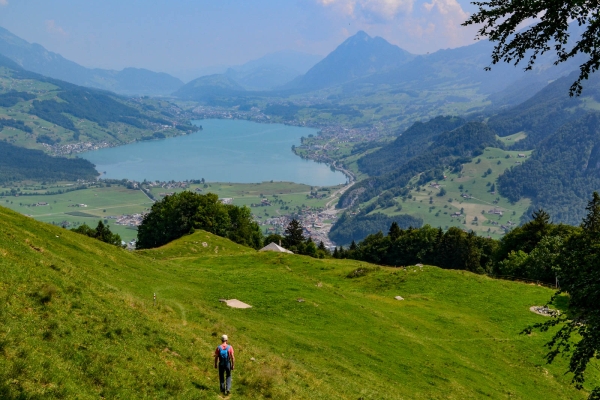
(77, 321)
(437, 210)
(102, 203)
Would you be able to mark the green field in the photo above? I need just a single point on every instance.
(77, 321)
(106, 202)
(102, 203)
(437, 210)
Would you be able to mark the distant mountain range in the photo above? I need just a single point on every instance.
(273, 70)
(130, 81)
(362, 61)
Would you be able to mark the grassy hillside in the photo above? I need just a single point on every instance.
(77, 320)
(38, 112)
(469, 191)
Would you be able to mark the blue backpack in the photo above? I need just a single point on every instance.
(224, 356)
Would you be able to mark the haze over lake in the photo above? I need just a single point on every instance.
(224, 151)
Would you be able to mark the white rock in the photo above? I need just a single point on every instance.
(399, 298)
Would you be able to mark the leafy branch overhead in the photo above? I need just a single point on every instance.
(501, 21)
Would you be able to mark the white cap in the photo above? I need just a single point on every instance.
(224, 338)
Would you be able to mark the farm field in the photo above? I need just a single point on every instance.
(78, 316)
(100, 204)
(106, 203)
(468, 193)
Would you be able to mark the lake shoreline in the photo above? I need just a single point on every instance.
(226, 150)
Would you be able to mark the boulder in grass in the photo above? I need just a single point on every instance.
(399, 298)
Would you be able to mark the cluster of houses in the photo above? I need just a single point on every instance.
(129, 219)
(263, 203)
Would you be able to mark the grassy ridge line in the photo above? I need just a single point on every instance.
(455, 335)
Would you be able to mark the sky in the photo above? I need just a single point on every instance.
(176, 36)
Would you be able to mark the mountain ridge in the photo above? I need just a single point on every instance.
(129, 81)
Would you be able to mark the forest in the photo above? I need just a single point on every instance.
(349, 228)
(18, 164)
(407, 145)
(562, 172)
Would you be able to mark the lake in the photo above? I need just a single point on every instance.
(224, 151)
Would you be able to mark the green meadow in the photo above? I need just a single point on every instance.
(475, 183)
(77, 320)
(105, 202)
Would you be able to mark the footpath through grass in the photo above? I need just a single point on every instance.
(77, 321)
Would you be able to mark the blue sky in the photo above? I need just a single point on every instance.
(183, 35)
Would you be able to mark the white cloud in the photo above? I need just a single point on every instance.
(418, 26)
(447, 16)
(3, 2)
(384, 9)
(51, 27)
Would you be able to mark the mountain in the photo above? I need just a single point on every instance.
(547, 110)
(208, 87)
(130, 81)
(448, 149)
(272, 70)
(409, 144)
(357, 57)
(41, 112)
(562, 173)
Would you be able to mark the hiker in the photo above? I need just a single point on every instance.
(224, 355)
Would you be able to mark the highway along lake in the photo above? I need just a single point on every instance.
(223, 151)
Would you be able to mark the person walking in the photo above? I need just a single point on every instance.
(226, 362)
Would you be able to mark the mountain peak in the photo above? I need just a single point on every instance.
(358, 56)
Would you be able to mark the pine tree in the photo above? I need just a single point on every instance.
(322, 246)
(395, 232)
(591, 223)
(293, 235)
(353, 245)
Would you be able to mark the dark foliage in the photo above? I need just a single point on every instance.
(182, 213)
(287, 111)
(500, 21)
(13, 123)
(13, 97)
(85, 104)
(294, 234)
(17, 163)
(102, 233)
(454, 249)
(348, 228)
(578, 336)
(540, 116)
(47, 140)
(410, 143)
(562, 173)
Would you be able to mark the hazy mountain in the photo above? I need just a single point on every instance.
(130, 81)
(293, 60)
(359, 56)
(208, 87)
(273, 70)
(547, 110)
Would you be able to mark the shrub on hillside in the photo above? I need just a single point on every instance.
(102, 233)
(182, 213)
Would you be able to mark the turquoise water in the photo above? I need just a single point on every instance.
(224, 151)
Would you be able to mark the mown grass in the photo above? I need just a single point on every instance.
(77, 320)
